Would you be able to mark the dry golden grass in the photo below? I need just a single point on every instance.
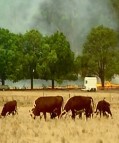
(22, 128)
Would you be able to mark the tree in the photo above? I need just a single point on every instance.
(57, 58)
(15, 58)
(100, 52)
(31, 53)
(6, 43)
(2, 65)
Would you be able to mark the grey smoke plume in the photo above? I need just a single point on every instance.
(16, 15)
(74, 18)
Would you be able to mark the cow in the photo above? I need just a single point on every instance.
(78, 103)
(103, 107)
(9, 107)
(49, 104)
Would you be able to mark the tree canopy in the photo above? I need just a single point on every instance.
(57, 58)
(100, 52)
(7, 53)
(32, 55)
(31, 48)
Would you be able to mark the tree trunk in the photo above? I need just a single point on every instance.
(32, 80)
(53, 83)
(31, 83)
(102, 82)
(102, 76)
(3, 81)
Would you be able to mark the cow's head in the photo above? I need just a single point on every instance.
(3, 113)
(54, 113)
(34, 112)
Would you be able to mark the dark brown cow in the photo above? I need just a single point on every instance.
(103, 107)
(48, 104)
(77, 103)
(9, 108)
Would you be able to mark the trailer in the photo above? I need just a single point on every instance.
(90, 84)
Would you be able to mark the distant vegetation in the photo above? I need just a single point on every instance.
(32, 55)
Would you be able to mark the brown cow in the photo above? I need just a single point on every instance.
(77, 103)
(103, 107)
(9, 108)
(48, 104)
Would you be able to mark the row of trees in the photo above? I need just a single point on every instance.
(32, 55)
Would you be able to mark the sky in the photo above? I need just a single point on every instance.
(74, 18)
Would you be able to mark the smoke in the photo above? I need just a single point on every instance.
(17, 15)
(74, 18)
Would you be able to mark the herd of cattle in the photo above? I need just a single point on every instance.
(54, 105)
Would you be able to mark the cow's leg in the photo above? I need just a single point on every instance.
(59, 112)
(91, 111)
(40, 116)
(44, 113)
(100, 113)
(73, 114)
(34, 117)
(13, 113)
(110, 114)
(8, 113)
(86, 113)
(16, 111)
(109, 111)
(104, 113)
(80, 115)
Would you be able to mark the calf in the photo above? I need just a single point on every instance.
(9, 108)
(103, 107)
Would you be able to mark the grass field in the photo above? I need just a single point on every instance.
(22, 128)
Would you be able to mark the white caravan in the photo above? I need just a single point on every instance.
(90, 84)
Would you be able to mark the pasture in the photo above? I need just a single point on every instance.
(22, 128)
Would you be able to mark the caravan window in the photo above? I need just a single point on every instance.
(86, 81)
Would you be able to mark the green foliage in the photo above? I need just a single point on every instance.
(64, 54)
(15, 58)
(57, 58)
(31, 49)
(31, 53)
(99, 53)
(7, 43)
(2, 62)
